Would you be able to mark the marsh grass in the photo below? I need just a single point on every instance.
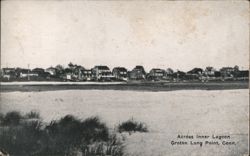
(132, 126)
(11, 118)
(21, 136)
(33, 115)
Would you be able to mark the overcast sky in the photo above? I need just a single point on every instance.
(162, 34)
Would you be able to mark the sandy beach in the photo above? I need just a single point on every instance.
(167, 114)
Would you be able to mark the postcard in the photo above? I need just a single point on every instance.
(124, 78)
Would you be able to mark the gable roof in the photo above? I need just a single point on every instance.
(120, 69)
(102, 67)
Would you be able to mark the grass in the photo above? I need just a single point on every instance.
(132, 126)
(33, 115)
(20, 136)
(11, 118)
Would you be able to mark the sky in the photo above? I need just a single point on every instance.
(156, 34)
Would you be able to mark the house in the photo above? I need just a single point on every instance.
(22, 73)
(68, 72)
(217, 74)
(209, 71)
(102, 73)
(86, 75)
(77, 72)
(194, 74)
(138, 73)
(196, 71)
(9, 73)
(227, 72)
(27, 73)
(243, 74)
(8, 70)
(51, 70)
(179, 75)
(156, 74)
(72, 72)
(120, 73)
(169, 74)
(39, 71)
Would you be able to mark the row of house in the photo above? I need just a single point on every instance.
(103, 73)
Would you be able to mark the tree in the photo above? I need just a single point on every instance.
(60, 69)
(236, 68)
(169, 71)
(71, 65)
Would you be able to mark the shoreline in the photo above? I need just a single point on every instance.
(57, 83)
(154, 86)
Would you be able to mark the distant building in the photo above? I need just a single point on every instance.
(102, 73)
(86, 75)
(209, 71)
(8, 70)
(68, 74)
(169, 74)
(196, 71)
(39, 71)
(227, 71)
(179, 75)
(25, 73)
(120, 73)
(194, 74)
(138, 73)
(51, 71)
(77, 72)
(8, 73)
(156, 74)
(217, 74)
(169, 71)
(243, 74)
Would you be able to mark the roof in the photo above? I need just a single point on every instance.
(51, 68)
(8, 68)
(24, 70)
(86, 70)
(227, 68)
(38, 69)
(195, 70)
(158, 70)
(102, 67)
(138, 67)
(120, 69)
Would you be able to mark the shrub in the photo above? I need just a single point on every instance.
(63, 135)
(94, 130)
(12, 118)
(1, 118)
(70, 134)
(22, 139)
(33, 115)
(114, 146)
(67, 136)
(132, 126)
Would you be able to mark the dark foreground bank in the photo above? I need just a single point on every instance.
(28, 135)
(161, 86)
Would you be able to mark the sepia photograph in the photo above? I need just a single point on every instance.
(124, 78)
